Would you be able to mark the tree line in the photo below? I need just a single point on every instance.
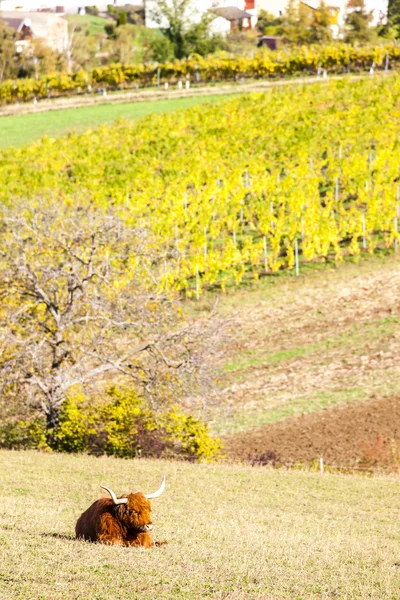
(126, 40)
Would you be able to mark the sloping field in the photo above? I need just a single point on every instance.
(303, 346)
(364, 435)
(233, 532)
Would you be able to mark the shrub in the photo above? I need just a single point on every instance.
(119, 424)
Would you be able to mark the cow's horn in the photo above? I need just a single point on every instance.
(114, 497)
(158, 492)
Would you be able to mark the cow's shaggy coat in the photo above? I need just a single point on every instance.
(126, 524)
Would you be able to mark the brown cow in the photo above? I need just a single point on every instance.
(124, 521)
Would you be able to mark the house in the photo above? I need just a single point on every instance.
(49, 26)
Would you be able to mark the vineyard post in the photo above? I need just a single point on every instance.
(321, 465)
(265, 254)
(387, 62)
(364, 231)
(197, 283)
(158, 77)
(296, 255)
(234, 238)
(166, 85)
(396, 229)
(337, 189)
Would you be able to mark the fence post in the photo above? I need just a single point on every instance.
(321, 465)
(197, 283)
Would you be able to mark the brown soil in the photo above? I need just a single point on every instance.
(365, 435)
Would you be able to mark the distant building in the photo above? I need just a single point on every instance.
(51, 27)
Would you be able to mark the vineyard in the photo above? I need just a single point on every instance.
(305, 60)
(238, 189)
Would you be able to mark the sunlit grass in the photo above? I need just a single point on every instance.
(233, 532)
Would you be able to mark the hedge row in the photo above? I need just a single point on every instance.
(336, 59)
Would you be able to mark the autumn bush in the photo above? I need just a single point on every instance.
(118, 423)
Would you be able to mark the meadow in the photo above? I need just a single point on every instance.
(233, 532)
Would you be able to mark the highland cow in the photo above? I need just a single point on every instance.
(124, 521)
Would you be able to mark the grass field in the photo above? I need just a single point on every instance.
(17, 130)
(90, 23)
(233, 532)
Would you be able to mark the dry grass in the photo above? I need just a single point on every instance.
(301, 344)
(234, 532)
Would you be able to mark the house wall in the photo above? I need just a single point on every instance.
(47, 26)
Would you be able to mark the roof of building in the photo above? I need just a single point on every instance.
(231, 13)
(14, 23)
(39, 22)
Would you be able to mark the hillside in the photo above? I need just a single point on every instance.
(233, 532)
(312, 366)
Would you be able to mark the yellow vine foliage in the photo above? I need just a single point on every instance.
(235, 188)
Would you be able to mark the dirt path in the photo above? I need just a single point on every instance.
(157, 94)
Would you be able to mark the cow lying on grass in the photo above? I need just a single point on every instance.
(124, 521)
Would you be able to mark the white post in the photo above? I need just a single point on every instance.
(166, 85)
(321, 465)
(187, 84)
(364, 231)
(197, 283)
(179, 85)
(234, 238)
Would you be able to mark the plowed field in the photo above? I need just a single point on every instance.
(363, 435)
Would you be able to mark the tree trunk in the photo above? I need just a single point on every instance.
(52, 422)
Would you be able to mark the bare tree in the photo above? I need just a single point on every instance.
(81, 299)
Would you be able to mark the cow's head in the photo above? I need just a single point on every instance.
(134, 509)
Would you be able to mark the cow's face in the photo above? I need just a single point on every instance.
(135, 513)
